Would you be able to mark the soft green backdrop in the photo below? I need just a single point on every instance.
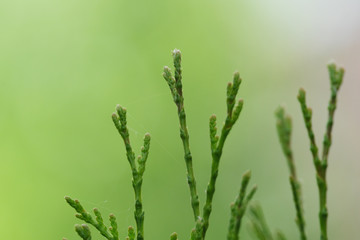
(65, 64)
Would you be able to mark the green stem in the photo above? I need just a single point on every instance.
(175, 85)
(121, 125)
(239, 207)
(336, 78)
(218, 144)
(284, 127)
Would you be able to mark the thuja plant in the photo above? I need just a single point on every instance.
(284, 128)
(201, 218)
(258, 225)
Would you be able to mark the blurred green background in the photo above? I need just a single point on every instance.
(64, 65)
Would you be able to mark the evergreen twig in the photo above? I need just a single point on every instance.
(175, 85)
(336, 78)
(284, 128)
(98, 223)
(120, 122)
(258, 223)
(238, 208)
(217, 143)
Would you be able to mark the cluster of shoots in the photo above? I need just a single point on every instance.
(201, 217)
(284, 128)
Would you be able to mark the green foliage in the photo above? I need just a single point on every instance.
(321, 164)
(239, 206)
(258, 225)
(284, 131)
(83, 230)
(216, 144)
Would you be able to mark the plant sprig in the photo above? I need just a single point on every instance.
(120, 122)
(84, 231)
(284, 127)
(175, 86)
(321, 164)
(216, 145)
(238, 208)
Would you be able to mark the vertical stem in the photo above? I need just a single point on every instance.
(238, 208)
(121, 125)
(218, 144)
(284, 127)
(175, 85)
(336, 78)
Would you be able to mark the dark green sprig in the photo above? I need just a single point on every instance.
(175, 86)
(120, 122)
(86, 217)
(238, 208)
(336, 79)
(284, 127)
(217, 143)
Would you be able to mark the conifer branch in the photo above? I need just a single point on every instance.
(98, 223)
(336, 79)
(175, 86)
(238, 208)
(217, 143)
(284, 128)
(120, 123)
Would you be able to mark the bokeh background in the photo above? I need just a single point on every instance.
(64, 65)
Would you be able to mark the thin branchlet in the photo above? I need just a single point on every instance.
(336, 78)
(284, 128)
(217, 143)
(82, 214)
(175, 86)
(120, 123)
(238, 208)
